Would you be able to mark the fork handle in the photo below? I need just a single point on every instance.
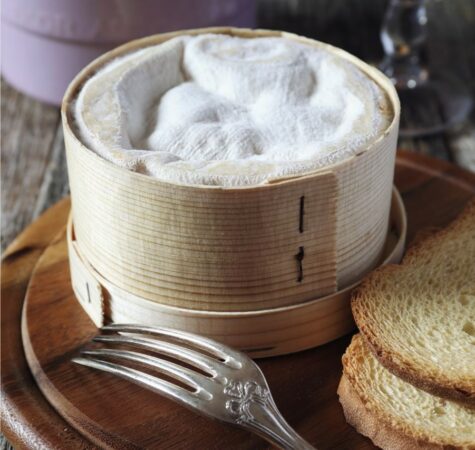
(265, 419)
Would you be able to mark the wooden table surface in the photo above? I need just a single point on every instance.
(34, 172)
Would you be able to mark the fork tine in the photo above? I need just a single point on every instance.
(186, 355)
(163, 387)
(229, 356)
(195, 380)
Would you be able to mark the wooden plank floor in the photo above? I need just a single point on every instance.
(34, 172)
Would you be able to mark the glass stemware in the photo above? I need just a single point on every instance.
(431, 102)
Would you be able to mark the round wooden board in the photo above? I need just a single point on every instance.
(114, 413)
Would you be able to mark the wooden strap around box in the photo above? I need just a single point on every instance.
(262, 333)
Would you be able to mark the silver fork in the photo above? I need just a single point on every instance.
(233, 390)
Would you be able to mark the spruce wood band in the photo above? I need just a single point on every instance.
(231, 249)
(263, 333)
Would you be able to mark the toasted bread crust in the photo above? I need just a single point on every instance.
(461, 390)
(369, 413)
(369, 425)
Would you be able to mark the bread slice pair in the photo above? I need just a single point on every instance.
(409, 377)
(394, 414)
(419, 317)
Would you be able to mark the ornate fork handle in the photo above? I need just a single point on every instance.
(234, 391)
(254, 409)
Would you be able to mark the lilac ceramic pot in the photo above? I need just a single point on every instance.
(45, 43)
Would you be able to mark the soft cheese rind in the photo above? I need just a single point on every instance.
(221, 110)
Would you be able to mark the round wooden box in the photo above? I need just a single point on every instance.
(230, 250)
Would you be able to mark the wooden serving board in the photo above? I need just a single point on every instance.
(97, 409)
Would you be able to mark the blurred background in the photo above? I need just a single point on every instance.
(429, 50)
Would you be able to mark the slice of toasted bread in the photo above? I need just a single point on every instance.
(394, 414)
(419, 317)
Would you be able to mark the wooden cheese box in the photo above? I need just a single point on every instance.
(187, 256)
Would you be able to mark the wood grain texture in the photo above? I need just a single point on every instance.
(25, 150)
(353, 26)
(312, 406)
(232, 249)
(262, 333)
(27, 418)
